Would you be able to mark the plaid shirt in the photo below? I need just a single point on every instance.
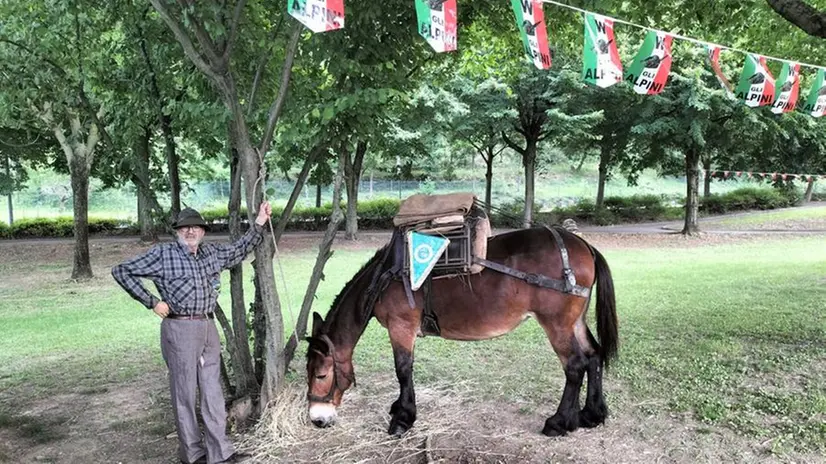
(187, 282)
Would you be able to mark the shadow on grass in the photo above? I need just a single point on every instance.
(38, 430)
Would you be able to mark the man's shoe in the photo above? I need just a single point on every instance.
(201, 460)
(239, 457)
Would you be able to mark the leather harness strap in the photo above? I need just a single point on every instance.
(568, 285)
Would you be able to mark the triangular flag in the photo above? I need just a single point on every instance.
(437, 23)
(601, 64)
(318, 15)
(424, 251)
(739, 173)
(816, 102)
(530, 19)
(788, 89)
(713, 55)
(649, 71)
(756, 86)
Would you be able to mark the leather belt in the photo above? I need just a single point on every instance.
(191, 317)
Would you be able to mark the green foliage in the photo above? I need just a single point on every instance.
(747, 198)
(5, 230)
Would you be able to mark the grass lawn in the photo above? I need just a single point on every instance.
(729, 336)
(813, 217)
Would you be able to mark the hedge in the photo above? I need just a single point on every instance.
(378, 214)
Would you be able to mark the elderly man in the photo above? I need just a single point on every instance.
(187, 274)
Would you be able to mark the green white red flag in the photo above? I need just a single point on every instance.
(788, 89)
(437, 23)
(713, 54)
(756, 86)
(816, 102)
(649, 70)
(530, 19)
(318, 15)
(601, 64)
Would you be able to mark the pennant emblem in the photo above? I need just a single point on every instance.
(649, 71)
(318, 15)
(437, 23)
(713, 54)
(788, 89)
(756, 86)
(601, 64)
(530, 19)
(816, 102)
(424, 251)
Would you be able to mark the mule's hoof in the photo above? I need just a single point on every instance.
(553, 431)
(558, 426)
(590, 419)
(397, 428)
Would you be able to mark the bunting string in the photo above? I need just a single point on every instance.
(725, 175)
(682, 37)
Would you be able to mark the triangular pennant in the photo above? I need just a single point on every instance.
(530, 19)
(713, 55)
(424, 251)
(601, 64)
(816, 101)
(649, 70)
(437, 23)
(318, 15)
(739, 173)
(756, 86)
(788, 88)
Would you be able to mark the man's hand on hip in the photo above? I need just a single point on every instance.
(161, 309)
(264, 213)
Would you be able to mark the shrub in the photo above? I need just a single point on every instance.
(5, 230)
(43, 227)
(749, 198)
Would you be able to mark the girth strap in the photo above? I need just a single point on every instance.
(570, 278)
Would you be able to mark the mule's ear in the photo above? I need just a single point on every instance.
(317, 321)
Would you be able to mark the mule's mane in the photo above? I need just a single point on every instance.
(374, 265)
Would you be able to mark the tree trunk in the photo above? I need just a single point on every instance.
(244, 373)
(264, 275)
(807, 197)
(324, 253)
(488, 179)
(8, 197)
(706, 178)
(172, 164)
(82, 267)
(692, 177)
(145, 220)
(352, 177)
(529, 163)
(165, 122)
(318, 195)
(604, 161)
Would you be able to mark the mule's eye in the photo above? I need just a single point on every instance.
(321, 377)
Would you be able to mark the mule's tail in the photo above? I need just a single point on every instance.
(607, 326)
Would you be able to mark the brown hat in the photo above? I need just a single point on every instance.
(190, 217)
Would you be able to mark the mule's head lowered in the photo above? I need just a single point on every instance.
(328, 377)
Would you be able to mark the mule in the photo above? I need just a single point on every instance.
(476, 307)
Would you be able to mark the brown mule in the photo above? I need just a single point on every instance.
(482, 306)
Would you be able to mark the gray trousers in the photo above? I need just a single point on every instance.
(192, 351)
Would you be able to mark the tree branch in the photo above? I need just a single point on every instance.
(511, 144)
(233, 30)
(811, 20)
(259, 70)
(278, 104)
(204, 40)
(44, 58)
(189, 48)
(48, 117)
